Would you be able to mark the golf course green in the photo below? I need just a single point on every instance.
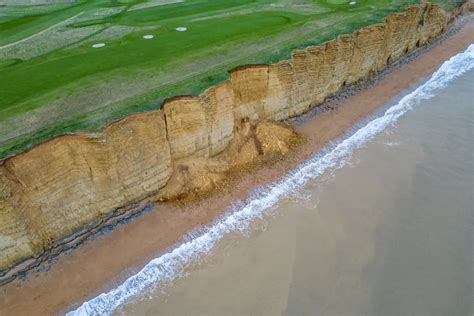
(68, 66)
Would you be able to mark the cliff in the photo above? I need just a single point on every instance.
(52, 195)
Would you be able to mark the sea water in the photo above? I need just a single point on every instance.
(380, 223)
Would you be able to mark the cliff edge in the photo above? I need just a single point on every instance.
(53, 193)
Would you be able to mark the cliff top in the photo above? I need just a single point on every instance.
(54, 81)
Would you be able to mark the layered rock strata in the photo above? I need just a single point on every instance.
(52, 191)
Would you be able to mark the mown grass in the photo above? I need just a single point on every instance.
(32, 21)
(132, 54)
(35, 83)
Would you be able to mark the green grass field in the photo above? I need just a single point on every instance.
(53, 81)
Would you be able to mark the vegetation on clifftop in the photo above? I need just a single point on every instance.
(53, 81)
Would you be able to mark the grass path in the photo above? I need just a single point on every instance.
(41, 32)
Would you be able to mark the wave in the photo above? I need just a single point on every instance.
(170, 265)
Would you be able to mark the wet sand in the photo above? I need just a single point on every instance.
(101, 264)
(386, 230)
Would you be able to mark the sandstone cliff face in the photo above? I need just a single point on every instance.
(53, 189)
(187, 128)
(56, 188)
(469, 6)
(218, 106)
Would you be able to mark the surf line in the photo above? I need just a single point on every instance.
(170, 265)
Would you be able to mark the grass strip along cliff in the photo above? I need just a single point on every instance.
(53, 81)
(57, 193)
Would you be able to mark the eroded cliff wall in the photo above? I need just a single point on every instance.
(56, 188)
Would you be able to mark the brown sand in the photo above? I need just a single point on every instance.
(105, 262)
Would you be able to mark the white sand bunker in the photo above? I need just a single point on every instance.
(181, 29)
(352, 2)
(98, 45)
(149, 36)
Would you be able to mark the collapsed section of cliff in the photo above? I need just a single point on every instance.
(52, 191)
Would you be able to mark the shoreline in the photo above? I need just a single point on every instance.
(189, 145)
(74, 278)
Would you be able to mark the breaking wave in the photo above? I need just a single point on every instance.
(170, 265)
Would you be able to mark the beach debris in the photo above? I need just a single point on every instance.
(181, 29)
(98, 45)
(148, 36)
(352, 2)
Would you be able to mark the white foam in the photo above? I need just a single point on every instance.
(98, 45)
(170, 265)
(181, 29)
(149, 36)
(391, 144)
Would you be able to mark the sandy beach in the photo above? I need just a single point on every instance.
(102, 263)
